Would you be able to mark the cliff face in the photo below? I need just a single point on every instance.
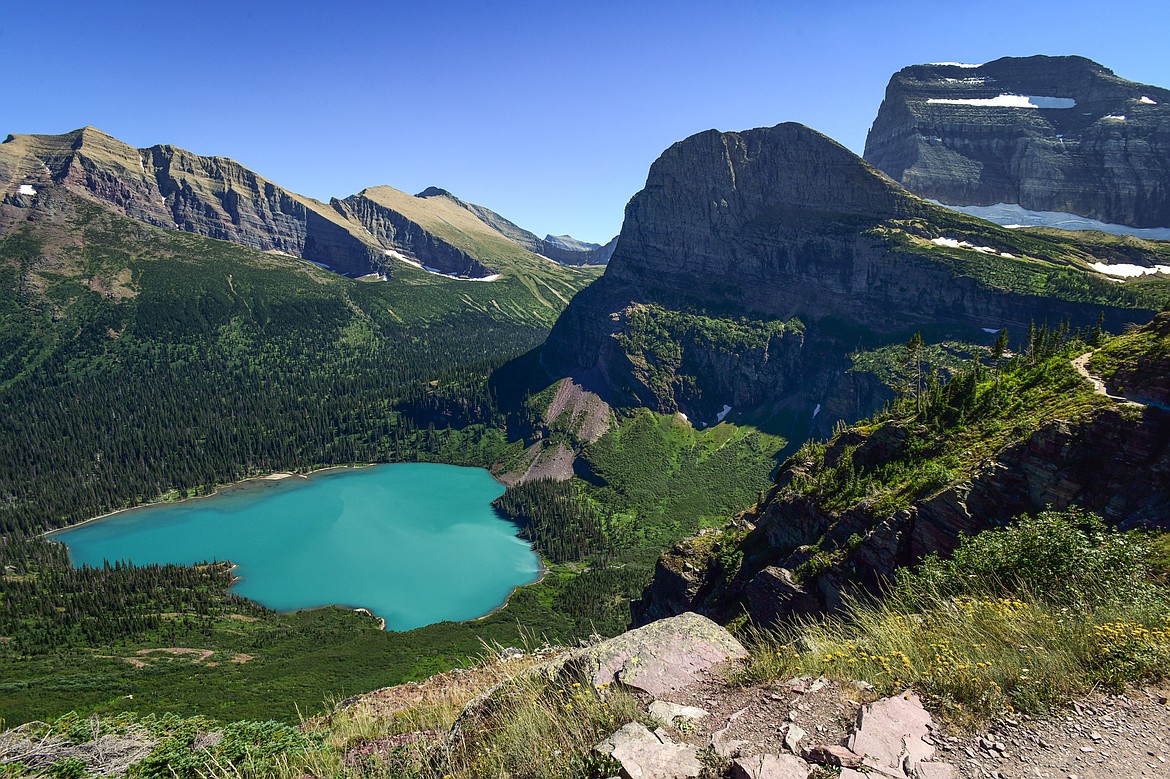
(211, 196)
(1090, 462)
(734, 231)
(1047, 133)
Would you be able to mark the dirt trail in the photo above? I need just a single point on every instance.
(1081, 364)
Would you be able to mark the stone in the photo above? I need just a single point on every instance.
(891, 731)
(660, 657)
(832, 755)
(792, 736)
(723, 743)
(645, 755)
(1101, 155)
(934, 771)
(668, 712)
(769, 767)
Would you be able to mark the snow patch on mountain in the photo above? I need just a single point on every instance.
(1008, 101)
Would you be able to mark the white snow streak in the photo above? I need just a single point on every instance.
(720, 416)
(1147, 100)
(27, 189)
(1008, 101)
(816, 411)
(959, 64)
(1115, 118)
(1128, 271)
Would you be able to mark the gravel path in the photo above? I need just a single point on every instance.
(1099, 737)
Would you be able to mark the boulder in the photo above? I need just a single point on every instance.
(660, 657)
(668, 712)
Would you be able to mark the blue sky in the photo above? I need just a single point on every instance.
(549, 113)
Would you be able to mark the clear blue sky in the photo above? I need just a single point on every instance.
(548, 112)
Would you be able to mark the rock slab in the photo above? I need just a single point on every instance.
(646, 755)
(769, 767)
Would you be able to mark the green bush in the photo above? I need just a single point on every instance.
(1068, 558)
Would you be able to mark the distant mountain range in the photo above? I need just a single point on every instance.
(1048, 134)
(217, 197)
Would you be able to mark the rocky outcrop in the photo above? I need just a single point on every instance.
(734, 231)
(646, 755)
(1089, 462)
(1059, 134)
(172, 188)
(660, 657)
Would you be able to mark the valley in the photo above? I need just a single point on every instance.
(399, 488)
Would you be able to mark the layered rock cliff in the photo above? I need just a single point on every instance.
(211, 196)
(734, 231)
(217, 197)
(1061, 134)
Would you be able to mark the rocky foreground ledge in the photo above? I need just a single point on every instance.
(691, 720)
(697, 723)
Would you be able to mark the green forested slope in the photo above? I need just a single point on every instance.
(137, 361)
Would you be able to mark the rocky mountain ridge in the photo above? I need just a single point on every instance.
(1051, 134)
(734, 231)
(217, 197)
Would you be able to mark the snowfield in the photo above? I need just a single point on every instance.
(954, 243)
(1011, 216)
(1008, 101)
(1127, 271)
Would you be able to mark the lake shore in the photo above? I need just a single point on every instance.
(275, 476)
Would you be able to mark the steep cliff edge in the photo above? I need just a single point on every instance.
(734, 231)
(1061, 134)
(882, 495)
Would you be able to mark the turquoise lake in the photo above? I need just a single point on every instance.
(414, 543)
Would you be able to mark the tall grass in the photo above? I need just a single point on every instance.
(1018, 619)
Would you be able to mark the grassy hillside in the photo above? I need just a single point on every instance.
(1037, 261)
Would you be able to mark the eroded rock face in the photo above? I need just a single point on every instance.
(1094, 144)
(175, 189)
(739, 230)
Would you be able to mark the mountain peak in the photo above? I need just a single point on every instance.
(436, 192)
(1053, 134)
